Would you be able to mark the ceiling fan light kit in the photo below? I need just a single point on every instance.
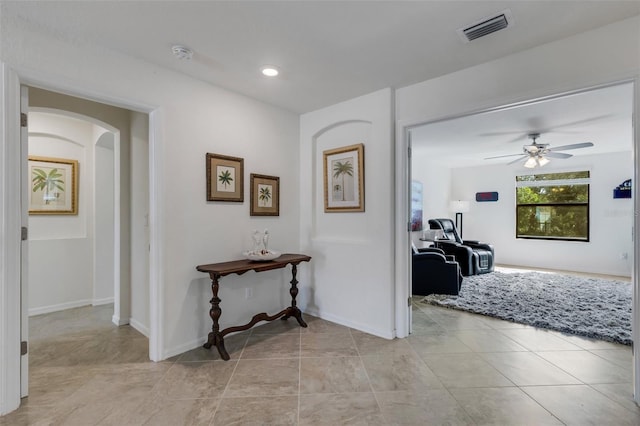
(542, 161)
(533, 162)
(530, 163)
(536, 154)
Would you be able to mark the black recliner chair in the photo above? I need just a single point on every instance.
(434, 273)
(473, 256)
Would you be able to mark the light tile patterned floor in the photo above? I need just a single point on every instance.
(457, 369)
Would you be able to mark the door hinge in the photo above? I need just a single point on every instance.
(409, 152)
(409, 301)
(23, 120)
(24, 233)
(24, 348)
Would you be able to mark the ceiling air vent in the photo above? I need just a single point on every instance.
(486, 26)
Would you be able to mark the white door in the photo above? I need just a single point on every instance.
(24, 247)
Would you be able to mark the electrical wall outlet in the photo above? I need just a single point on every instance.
(248, 292)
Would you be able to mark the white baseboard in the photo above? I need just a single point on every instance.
(140, 327)
(388, 334)
(177, 350)
(105, 301)
(119, 321)
(59, 307)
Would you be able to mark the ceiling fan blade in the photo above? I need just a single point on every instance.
(572, 146)
(514, 132)
(502, 156)
(557, 155)
(522, 157)
(580, 123)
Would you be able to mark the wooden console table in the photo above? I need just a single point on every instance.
(218, 270)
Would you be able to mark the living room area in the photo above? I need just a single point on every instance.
(547, 184)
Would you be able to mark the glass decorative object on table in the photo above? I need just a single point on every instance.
(265, 241)
(260, 251)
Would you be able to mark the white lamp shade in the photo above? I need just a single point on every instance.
(530, 163)
(432, 234)
(459, 206)
(542, 161)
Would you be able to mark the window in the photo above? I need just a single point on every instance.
(553, 206)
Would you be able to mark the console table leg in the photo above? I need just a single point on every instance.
(215, 337)
(294, 311)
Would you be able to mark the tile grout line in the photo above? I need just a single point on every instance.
(545, 408)
(581, 382)
(213, 416)
(613, 391)
(607, 396)
(373, 392)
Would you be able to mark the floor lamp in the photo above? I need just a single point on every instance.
(459, 207)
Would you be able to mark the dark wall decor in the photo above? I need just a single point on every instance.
(416, 206)
(265, 195)
(54, 186)
(486, 196)
(225, 178)
(623, 190)
(344, 179)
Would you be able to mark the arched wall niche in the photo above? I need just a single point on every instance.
(72, 257)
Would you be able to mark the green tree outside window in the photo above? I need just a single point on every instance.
(555, 210)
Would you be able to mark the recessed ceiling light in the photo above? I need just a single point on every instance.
(182, 52)
(270, 71)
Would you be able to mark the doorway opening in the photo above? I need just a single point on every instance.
(455, 165)
(98, 255)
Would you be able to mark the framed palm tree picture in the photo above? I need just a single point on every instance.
(344, 179)
(53, 186)
(225, 178)
(265, 195)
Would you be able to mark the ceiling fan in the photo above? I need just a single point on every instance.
(538, 154)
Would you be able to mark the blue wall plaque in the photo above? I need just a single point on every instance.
(623, 190)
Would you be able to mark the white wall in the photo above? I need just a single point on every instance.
(119, 121)
(140, 222)
(54, 135)
(607, 54)
(436, 183)
(350, 279)
(573, 63)
(610, 219)
(60, 246)
(193, 118)
(104, 219)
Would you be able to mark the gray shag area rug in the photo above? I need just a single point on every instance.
(590, 307)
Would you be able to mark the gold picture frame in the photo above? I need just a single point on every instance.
(53, 186)
(225, 178)
(344, 179)
(265, 195)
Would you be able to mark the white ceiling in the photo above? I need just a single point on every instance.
(328, 51)
(602, 116)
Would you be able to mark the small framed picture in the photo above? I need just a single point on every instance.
(53, 186)
(265, 195)
(225, 178)
(344, 179)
